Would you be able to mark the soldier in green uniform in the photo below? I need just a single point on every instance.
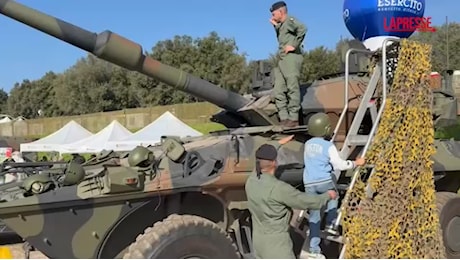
(290, 33)
(271, 202)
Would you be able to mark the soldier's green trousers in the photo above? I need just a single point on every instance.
(273, 246)
(286, 89)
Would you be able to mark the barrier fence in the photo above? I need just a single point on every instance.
(133, 119)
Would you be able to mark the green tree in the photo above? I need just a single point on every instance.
(445, 43)
(3, 101)
(93, 85)
(320, 62)
(28, 97)
(212, 58)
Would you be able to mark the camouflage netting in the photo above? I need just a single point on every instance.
(400, 220)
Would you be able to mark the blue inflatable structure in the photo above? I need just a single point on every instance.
(371, 21)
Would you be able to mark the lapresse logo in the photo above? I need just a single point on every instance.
(407, 24)
(407, 16)
(409, 6)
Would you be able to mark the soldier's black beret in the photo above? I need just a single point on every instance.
(277, 5)
(266, 152)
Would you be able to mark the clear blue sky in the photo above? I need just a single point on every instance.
(28, 54)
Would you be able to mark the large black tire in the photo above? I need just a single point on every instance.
(183, 236)
(448, 205)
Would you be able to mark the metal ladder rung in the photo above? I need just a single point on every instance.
(358, 139)
(337, 239)
(343, 186)
(346, 186)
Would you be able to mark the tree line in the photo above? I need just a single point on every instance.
(93, 85)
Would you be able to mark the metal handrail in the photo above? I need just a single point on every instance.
(346, 95)
(384, 92)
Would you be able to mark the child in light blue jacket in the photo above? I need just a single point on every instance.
(321, 158)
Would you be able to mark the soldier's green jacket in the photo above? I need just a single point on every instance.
(290, 32)
(270, 202)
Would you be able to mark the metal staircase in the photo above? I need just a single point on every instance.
(353, 139)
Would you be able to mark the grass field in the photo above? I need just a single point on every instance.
(205, 128)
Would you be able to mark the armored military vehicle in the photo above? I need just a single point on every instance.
(185, 198)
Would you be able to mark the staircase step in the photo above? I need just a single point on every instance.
(343, 186)
(358, 139)
(337, 239)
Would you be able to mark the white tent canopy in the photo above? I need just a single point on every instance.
(102, 140)
(5, 119)
(69, 133)
(166, 124)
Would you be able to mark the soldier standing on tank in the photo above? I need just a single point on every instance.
(290, 33)
(271, 202)
(321, 158)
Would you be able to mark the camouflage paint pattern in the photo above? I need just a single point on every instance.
(105, 212)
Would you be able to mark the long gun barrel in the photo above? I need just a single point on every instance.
(122, 52)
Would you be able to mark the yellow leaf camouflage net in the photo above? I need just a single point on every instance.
(400, 220)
